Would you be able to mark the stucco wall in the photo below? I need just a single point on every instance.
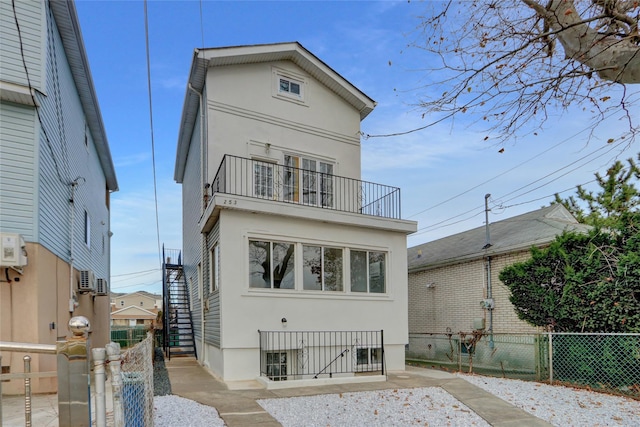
(35, 309)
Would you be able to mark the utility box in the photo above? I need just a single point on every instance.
(13, 251)
(478, 324)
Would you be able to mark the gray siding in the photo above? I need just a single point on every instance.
(62, 157)
(191, 236)
(212, 317)
(17, 169)
(30, 15)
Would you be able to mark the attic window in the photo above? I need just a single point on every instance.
(289, 86)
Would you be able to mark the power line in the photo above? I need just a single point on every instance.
(135, 272)
(153, 148)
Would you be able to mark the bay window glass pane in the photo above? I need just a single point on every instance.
(358, 271)
(283, 265)
(377, 272)
(312, 268)
(332, 269)
(259, 264)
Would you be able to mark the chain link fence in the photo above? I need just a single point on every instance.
(128, 336)
(603, 362)
(137, 384)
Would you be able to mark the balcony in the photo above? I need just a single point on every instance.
(286, 184)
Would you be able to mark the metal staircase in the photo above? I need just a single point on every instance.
(178, 339)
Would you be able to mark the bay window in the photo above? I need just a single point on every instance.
(271, 264)
(322, 269)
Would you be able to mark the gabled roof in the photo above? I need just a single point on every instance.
(251, 54)
(69, 28)
(518, 233)
(133, 312)
(141, 293)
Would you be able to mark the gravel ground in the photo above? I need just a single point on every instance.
(560, 406)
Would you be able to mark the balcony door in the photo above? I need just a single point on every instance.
(308, 181)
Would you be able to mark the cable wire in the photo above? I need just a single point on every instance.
(153, 148)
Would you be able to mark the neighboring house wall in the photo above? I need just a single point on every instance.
(137, 300)
(446, 299)
(51, 135)
(30, 15)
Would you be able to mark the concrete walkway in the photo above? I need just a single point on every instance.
(237, 406)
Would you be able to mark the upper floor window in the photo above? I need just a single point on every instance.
(308, 181)
(289, 86)
(87, 229)
(263, 179)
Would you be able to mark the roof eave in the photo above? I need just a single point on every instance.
(69, 27)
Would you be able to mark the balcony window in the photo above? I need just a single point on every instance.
(263, 180)
(316, 178)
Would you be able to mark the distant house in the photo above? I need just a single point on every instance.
(142, 299)
(56, 179)
(135, 309)
(280, 235)
(449, 278)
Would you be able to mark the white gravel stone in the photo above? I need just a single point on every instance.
(562, 406)
(173, 411)
(432, 406)
(405, 407)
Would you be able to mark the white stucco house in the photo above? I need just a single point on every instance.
(296, 268)
(56, 180)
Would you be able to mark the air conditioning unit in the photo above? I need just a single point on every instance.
(87, 281)
(13, 253)
(102, 287)
(487, 304)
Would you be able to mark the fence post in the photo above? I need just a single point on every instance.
(73, 376)
(98, 371)
(550, 358)
(27, 391)
(113, 350)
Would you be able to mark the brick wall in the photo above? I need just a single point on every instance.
(447, 299)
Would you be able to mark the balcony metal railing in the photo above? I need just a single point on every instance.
(271, 181)
(295, 355)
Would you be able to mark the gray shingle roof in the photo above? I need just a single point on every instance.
(512, 234)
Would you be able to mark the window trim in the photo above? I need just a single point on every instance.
(299, 267)
(290, 77)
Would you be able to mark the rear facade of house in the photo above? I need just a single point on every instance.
(289, 257)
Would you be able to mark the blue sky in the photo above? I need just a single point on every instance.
(367, 43)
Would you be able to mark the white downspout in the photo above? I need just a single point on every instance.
(203, 163)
